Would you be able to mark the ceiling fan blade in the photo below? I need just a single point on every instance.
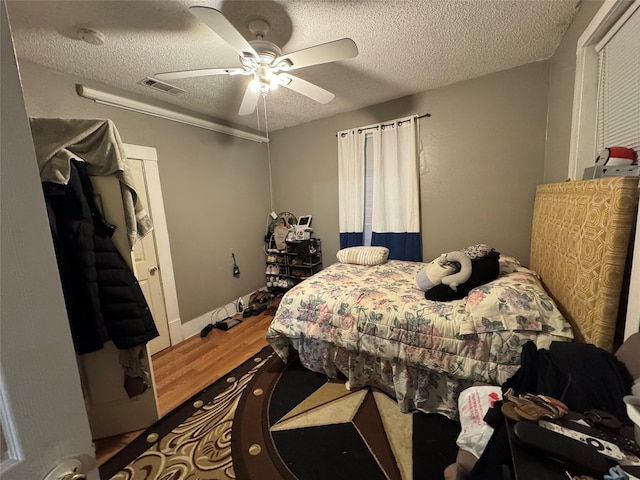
(305, 88)
(323, 53)
(217, 22)
(199, 73)
(249, 101)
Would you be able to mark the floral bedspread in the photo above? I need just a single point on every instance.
(374, 325)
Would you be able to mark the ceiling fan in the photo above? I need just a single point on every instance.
(264, 61)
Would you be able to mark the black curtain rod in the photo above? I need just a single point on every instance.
(360, 130)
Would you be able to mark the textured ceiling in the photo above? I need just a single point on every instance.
(405, 47)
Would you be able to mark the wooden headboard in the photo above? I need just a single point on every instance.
(579, 243)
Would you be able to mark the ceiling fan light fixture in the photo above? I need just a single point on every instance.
(248, 62)
(260, 85)
(284, 80)
(254, 85)
(285, 64)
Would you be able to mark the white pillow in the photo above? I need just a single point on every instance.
(363, 255)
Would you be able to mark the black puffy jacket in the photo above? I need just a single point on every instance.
(103, 299)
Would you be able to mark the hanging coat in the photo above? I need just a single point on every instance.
(103, 298)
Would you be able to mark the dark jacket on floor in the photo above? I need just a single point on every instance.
(103, 299)
(581, 375)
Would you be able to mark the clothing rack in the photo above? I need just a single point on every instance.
(383, 125)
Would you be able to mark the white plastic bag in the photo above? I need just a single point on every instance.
(473, 404)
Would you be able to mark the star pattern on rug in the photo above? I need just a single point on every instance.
(387, 432)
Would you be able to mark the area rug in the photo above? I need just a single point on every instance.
(266, 420)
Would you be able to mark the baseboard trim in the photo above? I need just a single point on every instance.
(175, 331)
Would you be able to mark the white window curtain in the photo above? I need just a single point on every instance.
(395, 201)
(351, 187)
(368, 189)
(619, 88)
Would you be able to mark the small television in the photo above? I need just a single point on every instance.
(304, 221)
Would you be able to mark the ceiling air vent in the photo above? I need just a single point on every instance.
(162, 86)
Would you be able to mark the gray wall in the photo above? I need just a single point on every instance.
(561, 80)
(484, 146)
(215, 189)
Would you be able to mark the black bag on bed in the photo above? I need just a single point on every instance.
(484, 270)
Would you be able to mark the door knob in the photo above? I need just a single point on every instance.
(153, 269)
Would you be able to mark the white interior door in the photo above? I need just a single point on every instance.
(109, 408)
(42, 416)
(145, 165)
(146, 266)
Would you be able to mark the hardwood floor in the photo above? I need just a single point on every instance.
(183, 370)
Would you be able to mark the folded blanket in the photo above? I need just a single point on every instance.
(98, 144)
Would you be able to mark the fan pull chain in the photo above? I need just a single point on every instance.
(266, 122)
(266, 126)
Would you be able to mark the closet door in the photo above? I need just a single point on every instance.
(146, 265)
(155, 249)
(110, 410)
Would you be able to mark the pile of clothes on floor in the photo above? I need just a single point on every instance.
(572, 381)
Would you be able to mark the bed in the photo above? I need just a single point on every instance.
(372, 324)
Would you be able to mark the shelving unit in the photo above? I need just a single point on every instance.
(299, 260)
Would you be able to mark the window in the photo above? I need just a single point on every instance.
(378, 188)
(611, 17)
(619, 85)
